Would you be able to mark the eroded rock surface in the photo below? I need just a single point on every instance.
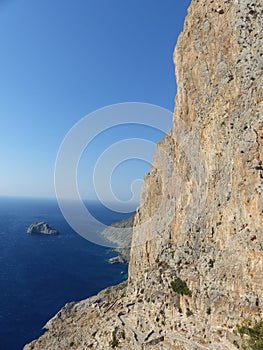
(42, 227)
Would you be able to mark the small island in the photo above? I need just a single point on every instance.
(41, 227)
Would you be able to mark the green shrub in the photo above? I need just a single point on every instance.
(123, 334)
(189, 312)
(236, 344)
(179, 286)
(211, 263)
(114, 342)
(254, 333)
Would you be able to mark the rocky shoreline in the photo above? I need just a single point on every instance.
(120, 234)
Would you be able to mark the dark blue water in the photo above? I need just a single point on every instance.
(40, 273)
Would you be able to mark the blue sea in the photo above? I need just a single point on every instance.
(40, 273)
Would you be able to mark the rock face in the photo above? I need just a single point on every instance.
(41, 227)
(196, 262)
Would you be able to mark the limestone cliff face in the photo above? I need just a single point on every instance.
(209, 170)
(200, 221)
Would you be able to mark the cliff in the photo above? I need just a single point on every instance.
(196, 262)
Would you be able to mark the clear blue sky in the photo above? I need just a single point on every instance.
(61, 60)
